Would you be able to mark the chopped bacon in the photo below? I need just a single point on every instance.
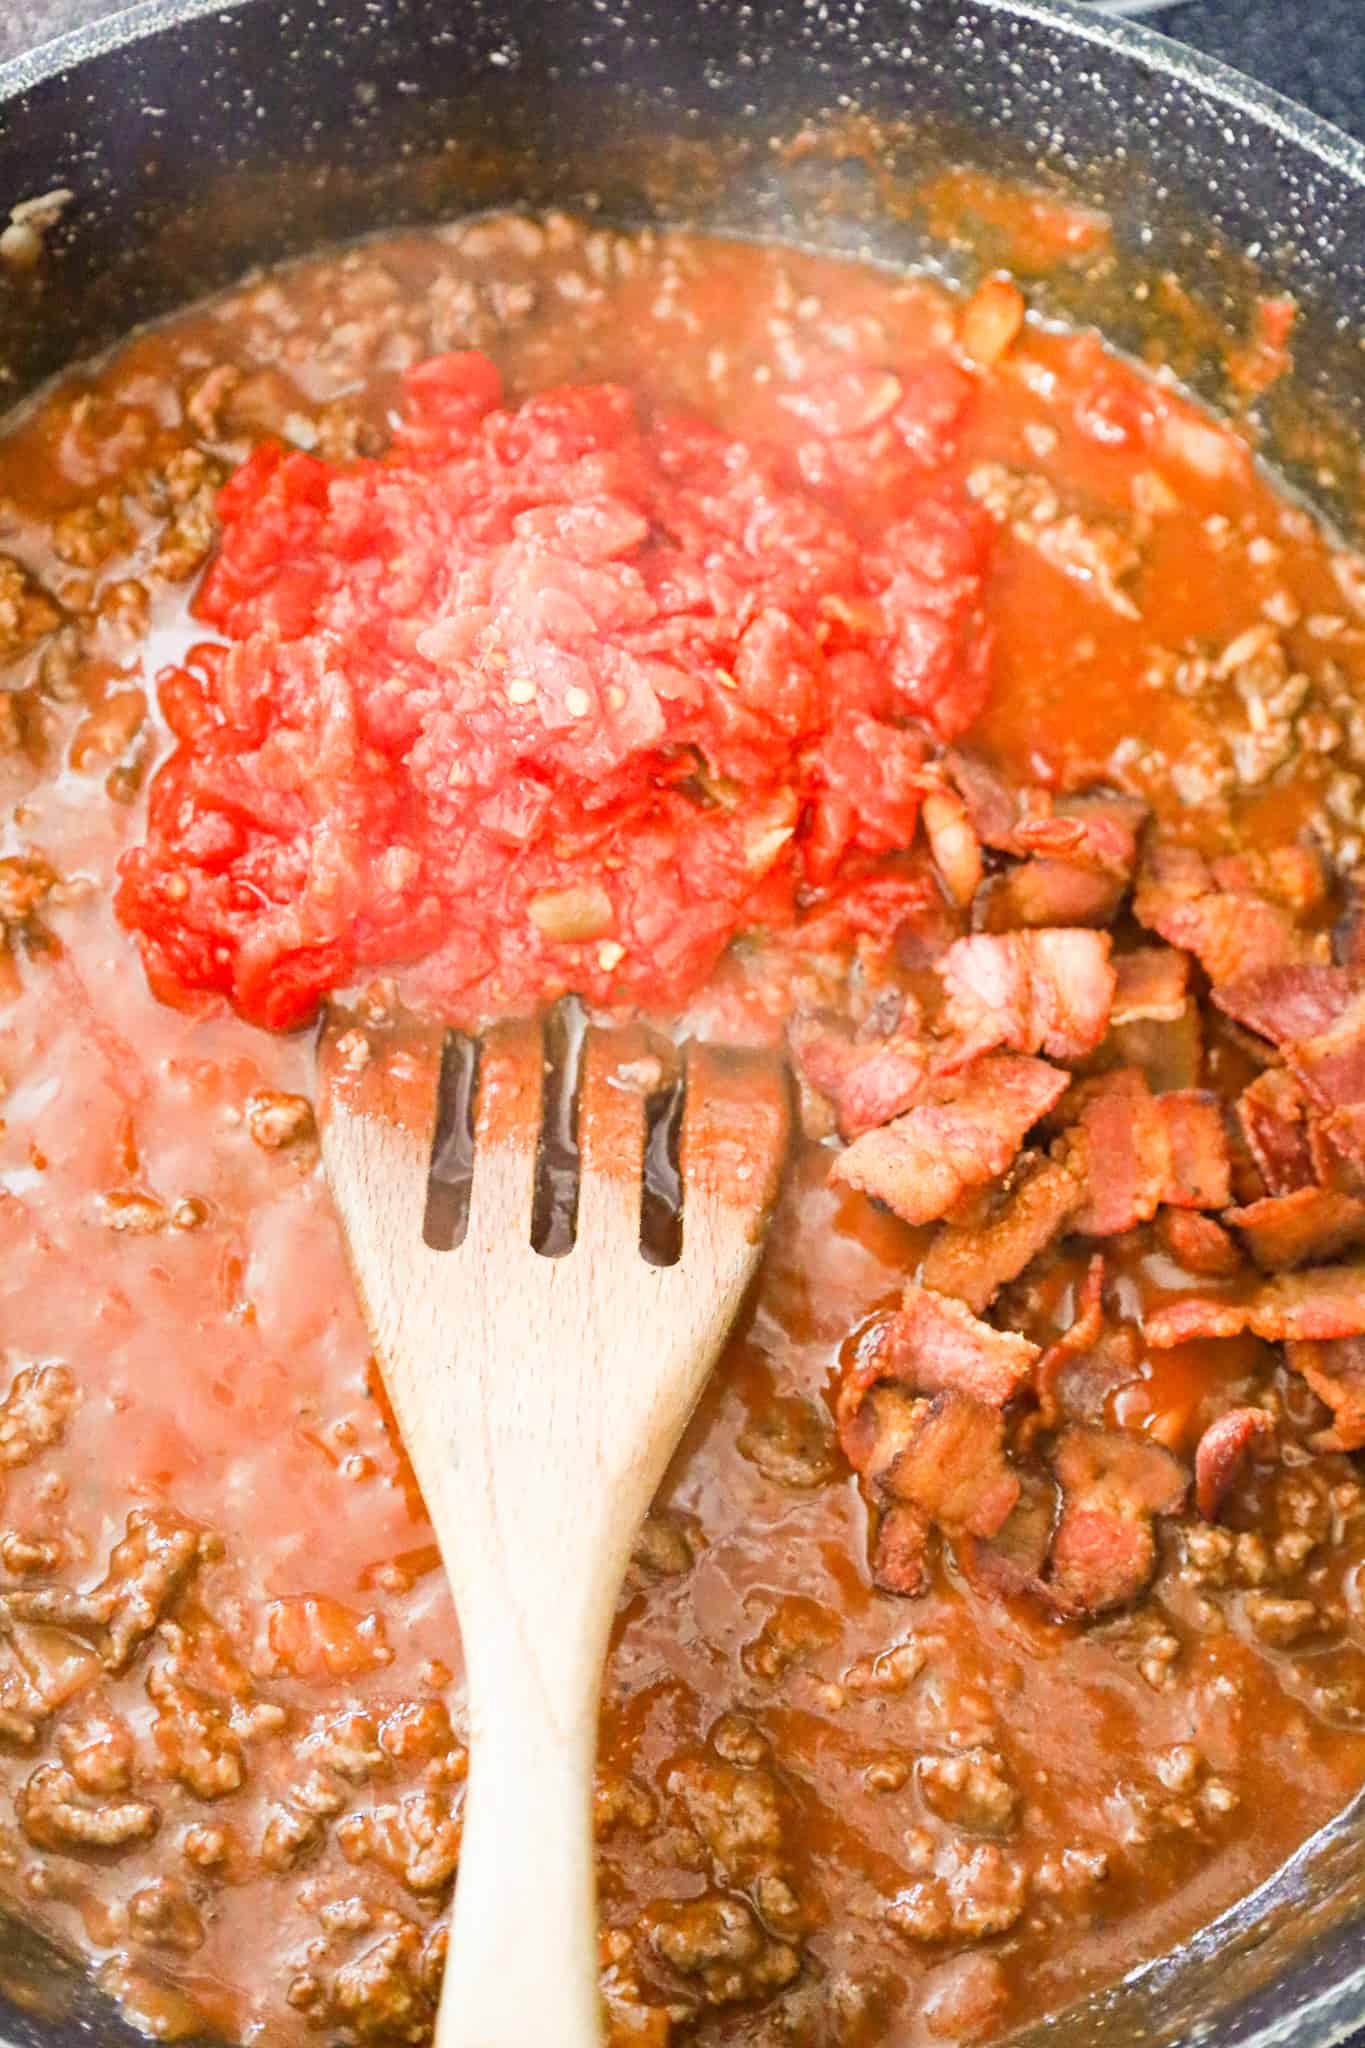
(875, 1423)
(1080, 852)
(933, 1343)
(968, 1133)
(1084, 1387)
(1307, 1226)
(1287, 1004)
(941, 1461)
(899, 1560)
(1271, 1113)
(992, 802)
(1230, 933)
(1199, 1176)
(954, 1468)
(1198, 1243)
(1170, 1055)
(1037, 991)
(1142, 1149)
(1087, 1325)
(1291, 875)
(1336, 1145)
(1223, 1451)
(867, 1081)
(1196, 1316)
(1012, 1560)
(1335, 1370)
(1152, 984)
(1097, 827)
(1104, 1548)
(1044, 891)
(1332, 1065)
(975, 1261)
(1123, 1144)
(1321, 1303)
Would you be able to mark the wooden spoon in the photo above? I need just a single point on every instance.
(540, 1400)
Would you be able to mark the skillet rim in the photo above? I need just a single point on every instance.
(1209, 76)
(1329, 2009)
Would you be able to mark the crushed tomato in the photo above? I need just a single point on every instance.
(557, 696)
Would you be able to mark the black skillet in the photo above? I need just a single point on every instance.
(202, 136)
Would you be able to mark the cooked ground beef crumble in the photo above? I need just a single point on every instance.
(1009, 1569)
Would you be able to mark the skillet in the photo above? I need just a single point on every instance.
(202, 136)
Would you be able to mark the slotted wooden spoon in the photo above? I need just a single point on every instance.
(540, 1400)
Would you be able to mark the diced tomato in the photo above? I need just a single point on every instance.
(536, 650)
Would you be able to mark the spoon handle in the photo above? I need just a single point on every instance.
(522, 1963)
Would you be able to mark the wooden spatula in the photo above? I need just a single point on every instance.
(539, 1399)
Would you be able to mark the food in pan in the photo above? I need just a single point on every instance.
(788, 653)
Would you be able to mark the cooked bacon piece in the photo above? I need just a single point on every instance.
(1104, 1548)
(1223, 1450)
(1044, 891)
(1126, 1154)
(1321, 1303)
(875, 1423)
(954, 1468)
(1084, 1387)
(975, 1261)
(1332, 1065)
(926, 1462)
(1197, 1316)
(1324, 1302)
(1083, 1334)
(969, 1133)
(1081, 853)
(1201, 1165)
(1169, 1055)
(992, 802)
(1291, 875)
(1316, 1016)
(1230, 933)
(1271, 1112)
(1097, 827)
(1198, 1243)
(1044, 991)
(1012, 1561)
(1336, 1145)
(1142, 1149)
(867, 1081)
(1336, 1372)
(1288, 1004)
(899, 1550)
(933, 1343)
(1309, 1225)
(1152, 984)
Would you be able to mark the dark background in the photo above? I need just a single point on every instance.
(1313, 50)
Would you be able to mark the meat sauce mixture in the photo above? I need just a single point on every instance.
(799, 654)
